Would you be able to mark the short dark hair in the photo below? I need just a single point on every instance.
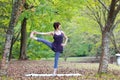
(56, 25)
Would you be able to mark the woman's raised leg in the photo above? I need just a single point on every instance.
(49, 44)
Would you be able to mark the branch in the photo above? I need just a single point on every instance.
(117, 10)
(104, 15)
(117, 1)
(15, 39)
(113, 40)
(117, 22)
(104, 5)
(96, 16)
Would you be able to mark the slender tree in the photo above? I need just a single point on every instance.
(16, 11)
(105, 16)
(23, 45)
(23, 40)
(14, 39)
(112, 13)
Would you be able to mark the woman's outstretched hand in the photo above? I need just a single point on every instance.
(32, 34)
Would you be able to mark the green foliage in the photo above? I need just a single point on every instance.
(44, 14)
(41, 18)
(5, 12)
(83, 50)
(99, 14)
(38, 50)
(83, 32)
(81, 44)
(16, 50)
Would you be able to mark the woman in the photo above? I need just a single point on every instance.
(57, 45)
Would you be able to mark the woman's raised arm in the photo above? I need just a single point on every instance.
(44, 33)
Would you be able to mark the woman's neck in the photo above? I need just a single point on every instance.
(57, 30)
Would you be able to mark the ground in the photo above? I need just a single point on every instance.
(18, 69)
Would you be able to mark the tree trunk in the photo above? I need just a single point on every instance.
(4, 61)
(12, 43)
(16, 10)
(104, 60)
(109, 25)
(23, 40)
(10, 55)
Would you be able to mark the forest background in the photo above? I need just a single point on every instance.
(81, 21)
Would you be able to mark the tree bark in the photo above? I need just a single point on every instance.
(16, 10)
(23, 40)
(104, 59)
(11, 47)
(23, 45)
(106, 27)
(103, 67)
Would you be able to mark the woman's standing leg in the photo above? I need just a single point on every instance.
(56, 59)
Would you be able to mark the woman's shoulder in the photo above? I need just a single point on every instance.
(62, 31)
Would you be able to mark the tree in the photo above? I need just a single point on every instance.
(16, 11)
(5, 10)
(112, 13)
(107, 22)
(23, 41)
(23, 45)
(14, 39)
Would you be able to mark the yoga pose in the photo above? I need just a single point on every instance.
(57, 45)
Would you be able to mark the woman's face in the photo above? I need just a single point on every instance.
(59, 26)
